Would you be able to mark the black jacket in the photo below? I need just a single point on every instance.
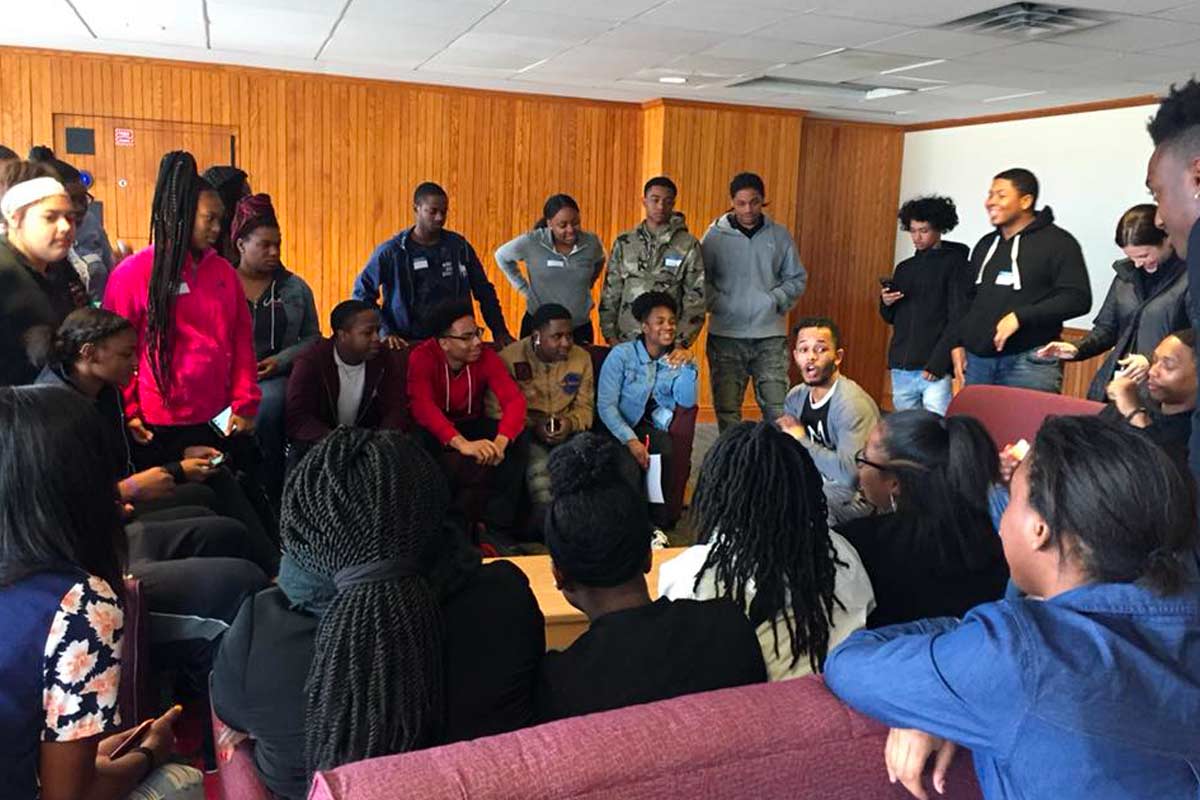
(1049, 285)
(32, 306)
(1131, 322)
(934, 285)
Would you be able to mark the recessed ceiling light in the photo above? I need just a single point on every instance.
(672, 79)
(913, 66)
(1014, 96)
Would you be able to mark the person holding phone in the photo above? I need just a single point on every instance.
(195, 342)
(1146, 301)
(61, 618)
(921, 299)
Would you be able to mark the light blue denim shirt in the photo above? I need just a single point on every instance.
(1092, 694)
(627, 377)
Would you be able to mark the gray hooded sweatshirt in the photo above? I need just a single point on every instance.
(753, 281)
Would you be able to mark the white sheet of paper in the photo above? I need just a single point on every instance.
(654, 486)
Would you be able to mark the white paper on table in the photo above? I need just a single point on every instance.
(654, 479)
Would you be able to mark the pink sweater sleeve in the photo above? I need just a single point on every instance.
(125, 295)
(246, 392)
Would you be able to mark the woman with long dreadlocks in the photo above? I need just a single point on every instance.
(802, 586)
(385, 633)
(195, 345)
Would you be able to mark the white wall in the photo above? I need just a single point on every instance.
(1091, 167)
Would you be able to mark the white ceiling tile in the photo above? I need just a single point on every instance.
(540, 25)
(1128, 6)
(1134, 34)
(146, 21)
(936, 44)
(333, 7)
(923, 14)
(439, 14)
(236, 26)
(460, 59)
(832, 31)
(1187, 13)
(38, 19)
(1038, 55)
(712, 65)
(593, 63)
(761, 47)
(666, 41)
(611, 10)
(525, 48)
(730, 19)
(1134, 66)
(859, 60)
(978, 91)
(357, 40)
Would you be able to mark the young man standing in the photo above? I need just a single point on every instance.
(659, 255)
(449, 376)
(347, 379)
(423, 266)
(1029, 278)
(754, 277)
(1173, 177)
(556, 377)
(829, 414)
(925, 294)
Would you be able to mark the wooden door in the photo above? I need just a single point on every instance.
(125, 163)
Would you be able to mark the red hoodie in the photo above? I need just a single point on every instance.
(438, 398)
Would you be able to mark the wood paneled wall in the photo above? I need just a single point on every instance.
(849, 182)
(340, 157)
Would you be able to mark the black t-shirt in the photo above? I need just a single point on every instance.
(909, 582)
(269, 322)
(494, 639)
(652, 652)
(816, 420)
(747, 232)
(1171, 432)
(434, 277)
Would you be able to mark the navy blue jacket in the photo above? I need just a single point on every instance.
(1091, 694)
(409, 294)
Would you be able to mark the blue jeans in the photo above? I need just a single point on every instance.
(1021, 370)
(911, 390)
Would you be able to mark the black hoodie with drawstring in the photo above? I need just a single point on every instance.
(1047, 284)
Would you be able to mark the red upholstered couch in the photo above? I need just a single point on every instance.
(781, 740)
(1013, 414)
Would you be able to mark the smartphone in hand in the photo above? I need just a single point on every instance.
(220, 422)
(887, 284)
(131, 741)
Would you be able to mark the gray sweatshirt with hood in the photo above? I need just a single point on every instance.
(752, 281)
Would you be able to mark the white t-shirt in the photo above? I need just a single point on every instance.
(351, 380)
(851, 586)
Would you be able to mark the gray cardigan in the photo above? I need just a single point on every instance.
(852, 416)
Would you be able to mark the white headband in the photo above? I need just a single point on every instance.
(26, 193)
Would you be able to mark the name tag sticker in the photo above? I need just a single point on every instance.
(672, 261)
(1004, 278)
(183, 289)
(555, 262)
(420, 263)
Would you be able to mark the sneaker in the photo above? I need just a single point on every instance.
(659, 540)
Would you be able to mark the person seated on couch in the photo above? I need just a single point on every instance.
(347, 379)
(759, 511)
(449, 377)
(639, 390)
(1085, 687)
(385, 633)
(930, 547)
(636, 650)
(556, 377)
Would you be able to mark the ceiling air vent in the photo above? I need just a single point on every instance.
(1026, 21)
(845, 91)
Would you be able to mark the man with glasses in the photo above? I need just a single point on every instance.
(449, 377)
(829, 414)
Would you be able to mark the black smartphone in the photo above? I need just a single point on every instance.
(887, 283)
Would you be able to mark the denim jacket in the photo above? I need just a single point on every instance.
(1092, 694)
(627, 377)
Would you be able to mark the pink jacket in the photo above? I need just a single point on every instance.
(213, 363)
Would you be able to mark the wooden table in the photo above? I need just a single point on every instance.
(564, 622)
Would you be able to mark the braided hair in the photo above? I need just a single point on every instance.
(172, 218)
(82, 326)
(760, 505)
(375, 683)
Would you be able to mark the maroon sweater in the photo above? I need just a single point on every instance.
(312, 393)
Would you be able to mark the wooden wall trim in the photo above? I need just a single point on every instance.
(1076, 108)
(675, 102)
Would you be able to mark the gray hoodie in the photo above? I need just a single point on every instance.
(753, 282)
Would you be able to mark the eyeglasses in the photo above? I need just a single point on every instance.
(466, 337)
(861, 460)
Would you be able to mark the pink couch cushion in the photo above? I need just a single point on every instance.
(781, 740)
(1012, 414)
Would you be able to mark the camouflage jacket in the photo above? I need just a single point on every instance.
(641, 261)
